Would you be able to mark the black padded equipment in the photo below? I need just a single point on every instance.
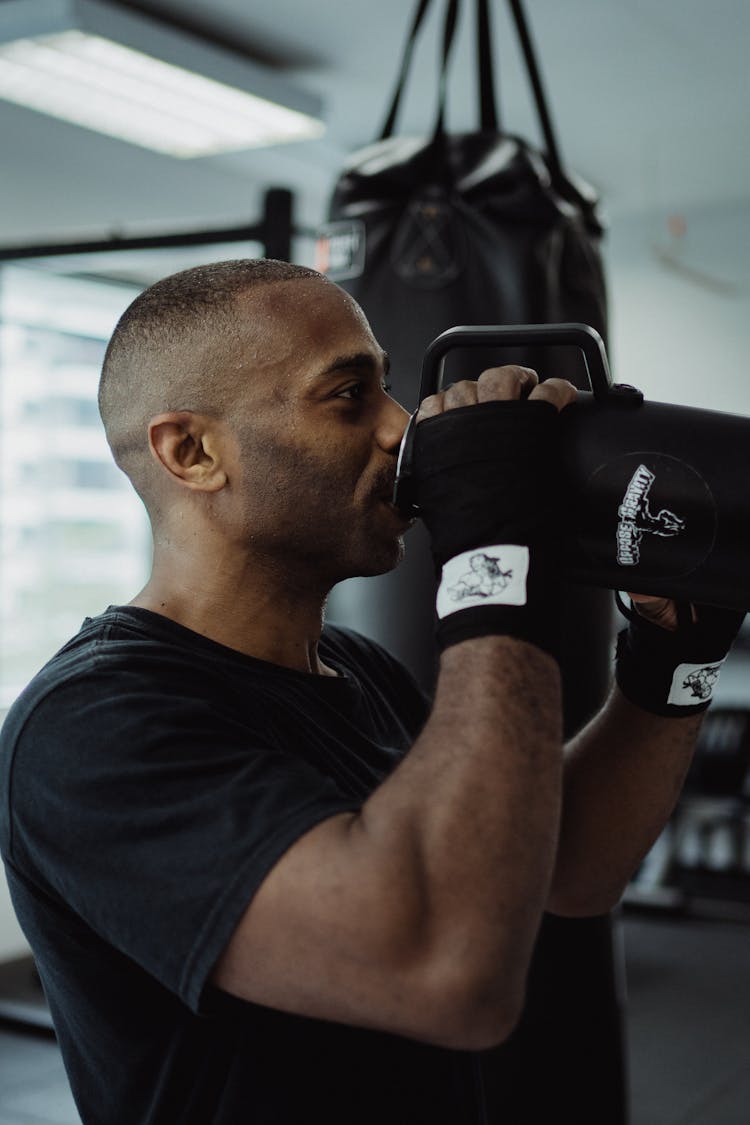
(651, 493)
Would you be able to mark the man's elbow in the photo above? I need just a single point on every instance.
(471, 1012)
(582, 902)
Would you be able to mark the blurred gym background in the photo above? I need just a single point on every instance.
(650, 105)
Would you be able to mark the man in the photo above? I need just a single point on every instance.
(263, 879)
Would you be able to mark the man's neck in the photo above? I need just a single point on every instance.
(255, 613)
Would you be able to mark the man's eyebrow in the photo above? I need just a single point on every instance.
(364, 361)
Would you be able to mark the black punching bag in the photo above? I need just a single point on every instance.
(483, 228)
(472, 228)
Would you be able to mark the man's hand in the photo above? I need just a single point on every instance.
(498, 384)
(486, 483)
(660, 611)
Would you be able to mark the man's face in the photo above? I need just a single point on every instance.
(317, 435)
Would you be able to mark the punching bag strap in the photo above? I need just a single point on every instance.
(449, 35)
(535, 78)
(390, 121)
(489, 120)
(488, 114)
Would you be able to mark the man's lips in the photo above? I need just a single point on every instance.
(383, 494)
(387, 502)
(384, 490)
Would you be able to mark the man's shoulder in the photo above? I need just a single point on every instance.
(115, 637)
(128, 638)
(119, 657)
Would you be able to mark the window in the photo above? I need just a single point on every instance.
(74, 536)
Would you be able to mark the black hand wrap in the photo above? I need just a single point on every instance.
(674, 672)
(485, 480)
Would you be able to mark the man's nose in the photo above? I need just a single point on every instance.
(392, 422)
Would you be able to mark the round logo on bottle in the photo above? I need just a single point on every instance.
(648, 513)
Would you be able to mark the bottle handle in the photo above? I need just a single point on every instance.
(583, 336)
(510, 335)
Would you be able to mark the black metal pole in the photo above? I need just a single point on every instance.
(277, 224)
(274, 232)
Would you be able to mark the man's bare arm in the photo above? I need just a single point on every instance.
(418, 915)
(625, 770)
(623, 775)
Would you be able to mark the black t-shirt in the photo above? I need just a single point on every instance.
(150, 779)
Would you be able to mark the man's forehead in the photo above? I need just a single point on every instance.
(305, 318)
(297, 299)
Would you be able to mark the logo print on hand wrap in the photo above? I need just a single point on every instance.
(702, 683)
(484, 579)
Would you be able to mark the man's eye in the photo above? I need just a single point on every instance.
(352, 392)
(356, 390)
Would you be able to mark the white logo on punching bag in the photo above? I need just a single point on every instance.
(637, 519)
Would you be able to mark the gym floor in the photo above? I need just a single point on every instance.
(688, 1026)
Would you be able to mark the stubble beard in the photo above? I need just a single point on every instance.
(308, 537)
(368, 559)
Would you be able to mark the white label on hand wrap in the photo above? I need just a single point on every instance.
(484, 576)
(693, 683)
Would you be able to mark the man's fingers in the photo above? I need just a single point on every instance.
(457, 394)
(430, 406)
(460, 394)
(662, 611)
(493, 385)
(498, 384)
(557, 391)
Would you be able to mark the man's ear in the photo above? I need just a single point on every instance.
(187, 446)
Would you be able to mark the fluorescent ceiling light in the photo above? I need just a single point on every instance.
(143, 82)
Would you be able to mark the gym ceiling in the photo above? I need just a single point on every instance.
(649, 99)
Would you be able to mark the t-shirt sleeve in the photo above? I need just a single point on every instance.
(156, 817)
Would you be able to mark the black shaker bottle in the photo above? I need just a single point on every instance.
(656, 497)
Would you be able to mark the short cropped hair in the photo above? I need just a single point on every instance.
(166, 350)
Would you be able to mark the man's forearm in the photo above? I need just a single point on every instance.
(622, 777)
(474, 808)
